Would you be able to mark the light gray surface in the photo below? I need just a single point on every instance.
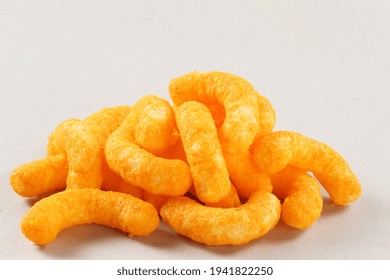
(324, 65)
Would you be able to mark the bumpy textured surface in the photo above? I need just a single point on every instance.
(193, 162)
(203, 150)
(75, 144)
(238, 120)
(244, 173)
(231, 200)
(114, 182)
(236, 95)
(141, 168)
(49, 216)
(40, 176)
(77, 140)
(278, 149)
(301, 193)
(154, 124)
(218, 226)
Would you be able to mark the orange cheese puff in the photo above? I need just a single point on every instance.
(84, 142)
(49, 216)
(244, 173)
(222, 226)
(114, 182)
(175, 151)
(301, 193)
(140, 167)
(274, 151)
(242, 120)
(218, 113)
(40, 176)
(203, 150)
(50, 173)
(154, 125)
(76, 139)
(229, 201)
(157, 200)
(106, 120)
(232, 199)
(267, 120)
(267, 115)
(235, 94)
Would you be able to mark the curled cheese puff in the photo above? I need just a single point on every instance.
(76, 139)
(218, 113)
(278, 149)
(154, 124)
(219, 226)
(49, 216)
(229, 201)
(175, 151)
(50, 173)
(203, 150)
(105, 121)
(40, 176)
(244, 173)
(242, 120)
(157, 200)
(114, 182)
(267, 120)
(235, 94)
(301, 193)
(141, 168)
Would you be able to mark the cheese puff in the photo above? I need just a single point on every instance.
(140, 167)
(218, 113)
(219, 226)
(242, 121)
(244, 174)
(49, 216)
(157, 200)
(114, 182)
(235, 94)
(50, 173)
(232, 199)
(301, 193)
(229, 201)
(40, 176)
(154, 124)
(203, 150)
(175, 151)
(267, 120)
(278, 149)
(76, 139)
(106, 120)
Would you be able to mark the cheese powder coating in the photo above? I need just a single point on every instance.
(203, 150)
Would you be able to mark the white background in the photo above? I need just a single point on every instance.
(324, 65)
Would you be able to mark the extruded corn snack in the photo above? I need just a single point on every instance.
(231, 200)
(301, 193)
(40, 176)
(276, 150)
(219, 226)
(50, 174)
(241, 104)
(203, 150)
(76, 139)
(49, 216)
(139, 167)
(209, 164)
